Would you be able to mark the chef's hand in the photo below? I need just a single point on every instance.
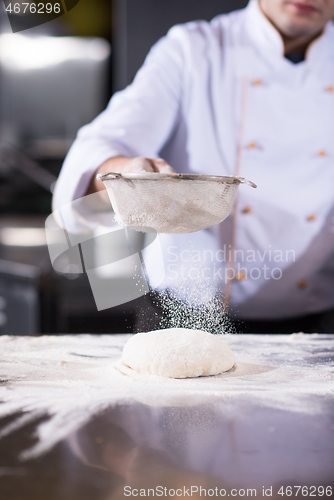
(145, 165)
(123, 164)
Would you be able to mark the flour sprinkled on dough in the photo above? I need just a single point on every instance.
(178, 353)
(175, 312)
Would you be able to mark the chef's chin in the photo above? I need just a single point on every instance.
(298, 18)
(303, 18)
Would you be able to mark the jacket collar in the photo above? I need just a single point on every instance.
(262, 33)
(268, 40)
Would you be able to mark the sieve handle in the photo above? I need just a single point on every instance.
(242, 180)
(113, 175)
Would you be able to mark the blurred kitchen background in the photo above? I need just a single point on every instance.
(53, 79)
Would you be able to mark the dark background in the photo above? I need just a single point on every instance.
(40, 113)
(138, 24)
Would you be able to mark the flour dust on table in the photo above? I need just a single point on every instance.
(72, 377)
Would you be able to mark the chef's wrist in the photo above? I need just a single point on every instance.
(116, 164)
(126, 164)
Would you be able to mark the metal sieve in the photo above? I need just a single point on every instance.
(170, 203)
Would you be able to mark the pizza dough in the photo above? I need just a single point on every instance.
(178, 353)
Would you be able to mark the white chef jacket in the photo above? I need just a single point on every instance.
(202, 89)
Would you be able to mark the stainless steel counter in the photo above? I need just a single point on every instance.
(73, 426)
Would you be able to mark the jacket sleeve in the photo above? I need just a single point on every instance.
(137, 122)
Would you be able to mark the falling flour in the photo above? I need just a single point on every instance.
(174, 312)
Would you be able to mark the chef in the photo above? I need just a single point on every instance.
(250, 93)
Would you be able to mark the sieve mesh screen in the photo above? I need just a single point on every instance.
(170, 203)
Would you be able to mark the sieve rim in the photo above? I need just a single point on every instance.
(152, 176)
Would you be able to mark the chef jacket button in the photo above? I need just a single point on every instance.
(311, 217)
(302, 284)
(240, 276)
(322, 152)
(330, 88)
(247, 210)
(252, 145)
(257, 82)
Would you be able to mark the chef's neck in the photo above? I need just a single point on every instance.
(297, 45)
